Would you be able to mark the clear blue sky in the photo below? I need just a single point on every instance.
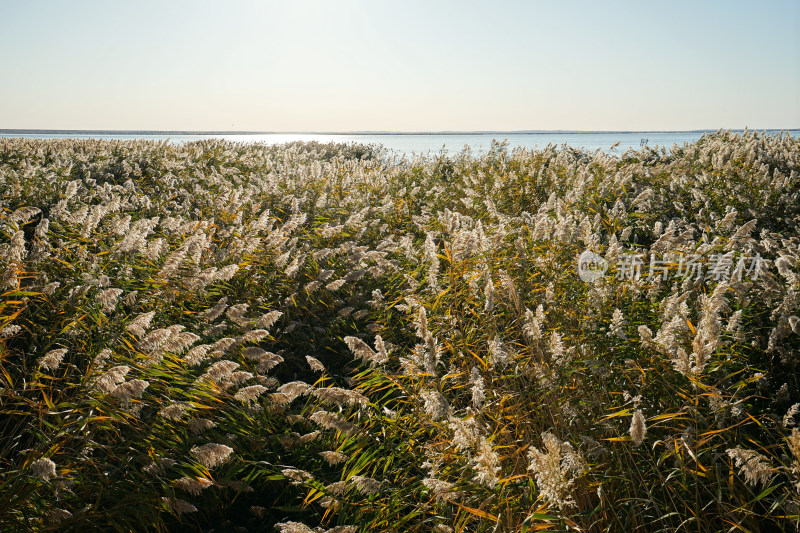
(322, 65)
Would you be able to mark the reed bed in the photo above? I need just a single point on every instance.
(327, 338)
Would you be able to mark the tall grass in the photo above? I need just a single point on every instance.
(253, 338)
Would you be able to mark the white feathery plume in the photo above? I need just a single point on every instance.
(43, 468)
(638, 428)
(52, 359)
(315, 364)
(212, 454)
(139, 325)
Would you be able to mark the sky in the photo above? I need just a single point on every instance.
(410, 65)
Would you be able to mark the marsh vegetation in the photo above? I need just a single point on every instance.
(230, 337)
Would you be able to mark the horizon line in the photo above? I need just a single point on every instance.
(365, 132)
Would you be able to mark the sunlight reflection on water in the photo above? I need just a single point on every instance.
(453, 143)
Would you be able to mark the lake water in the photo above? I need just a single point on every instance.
(424, 143)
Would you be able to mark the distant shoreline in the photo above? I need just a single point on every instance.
(487, 132)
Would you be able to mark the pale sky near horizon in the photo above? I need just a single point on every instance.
(320, 65)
